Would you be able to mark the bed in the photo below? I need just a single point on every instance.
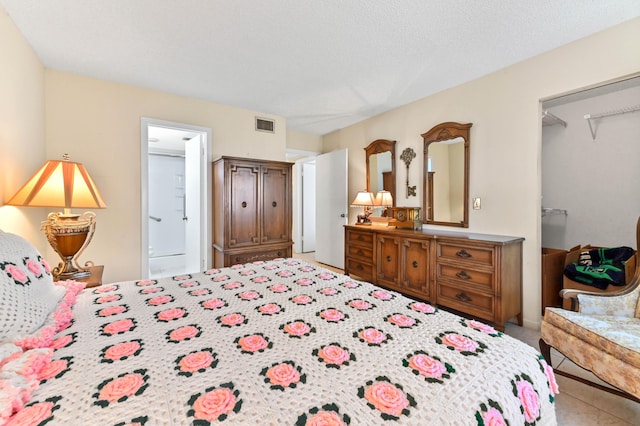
(281, 342)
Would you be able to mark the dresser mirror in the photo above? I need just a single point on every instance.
(381, 169)
(446, 175)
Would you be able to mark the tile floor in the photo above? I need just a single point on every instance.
(577, 404)
(165, 266)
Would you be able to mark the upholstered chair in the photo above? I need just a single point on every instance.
(601, 335)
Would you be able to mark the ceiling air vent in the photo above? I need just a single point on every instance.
(265, 125)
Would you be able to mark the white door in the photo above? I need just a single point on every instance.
(193, 195)
(331, 207)
(308, 206)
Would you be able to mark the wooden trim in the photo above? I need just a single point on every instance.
(377, 147)
(441, 132)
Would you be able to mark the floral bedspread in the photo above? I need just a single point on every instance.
(282, 342)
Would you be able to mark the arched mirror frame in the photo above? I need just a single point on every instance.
(443, 132)
(377, 147)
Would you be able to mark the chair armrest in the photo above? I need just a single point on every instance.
(616, 303)
(572, 294)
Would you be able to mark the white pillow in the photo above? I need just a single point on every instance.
(27, 292)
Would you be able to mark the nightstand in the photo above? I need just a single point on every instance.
(95, 279)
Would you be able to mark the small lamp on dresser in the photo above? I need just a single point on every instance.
(64, 184)
(384, 200)
(366, 200)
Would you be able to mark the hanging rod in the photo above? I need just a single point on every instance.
(624, 110)
(549, 119)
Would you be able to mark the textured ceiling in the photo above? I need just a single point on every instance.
(322, 64)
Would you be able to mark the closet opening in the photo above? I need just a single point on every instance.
(587, 182)
(590, 150)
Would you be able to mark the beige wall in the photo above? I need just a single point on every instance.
(22, 131)
(98, 123)
(303, 141)
(505, 138)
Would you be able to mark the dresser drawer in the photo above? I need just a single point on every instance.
(480, 279)
(254, 256)
(361, 238)
(363, 270)
(471, 254)
(464, 300)
(365, 253)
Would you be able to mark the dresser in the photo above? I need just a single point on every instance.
(251, 210)
(475, 274)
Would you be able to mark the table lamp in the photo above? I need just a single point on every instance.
(364, 199)
(384, 199)
(64, 184)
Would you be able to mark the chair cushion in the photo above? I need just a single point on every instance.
(27, 292)
(617, 336)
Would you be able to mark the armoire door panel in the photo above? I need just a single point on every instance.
(275, 207)
(244, 225)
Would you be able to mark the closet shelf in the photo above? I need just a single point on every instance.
(547, 211)
(549, 119)
(591, 117)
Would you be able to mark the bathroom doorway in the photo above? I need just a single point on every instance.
(174, 193)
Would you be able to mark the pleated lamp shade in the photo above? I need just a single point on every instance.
(384, 199)
(363, 198)
(59, 184)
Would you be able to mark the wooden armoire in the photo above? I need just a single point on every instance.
(251, 210)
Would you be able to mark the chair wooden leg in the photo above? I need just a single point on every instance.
(545, 350)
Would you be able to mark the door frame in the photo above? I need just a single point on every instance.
(297, 156)
(308, 201)
(205, 181)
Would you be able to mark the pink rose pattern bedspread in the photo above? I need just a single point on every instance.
(282, 342)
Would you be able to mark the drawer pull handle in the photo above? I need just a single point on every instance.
(463, 297)
(274, 204)
(237, 258)
(360, 252)
(244, 204)
(463, 275)
(360, 238)
(415, 264)
(388, 258)
(360, 267)
(463, 253)
(279, 254)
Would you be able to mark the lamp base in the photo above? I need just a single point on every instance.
(363, 219)
(69, 235)
(66, 271)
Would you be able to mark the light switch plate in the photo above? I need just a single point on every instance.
(476, 203)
